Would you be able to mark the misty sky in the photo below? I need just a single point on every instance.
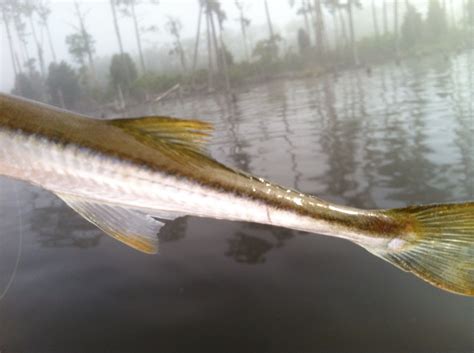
(99, 23)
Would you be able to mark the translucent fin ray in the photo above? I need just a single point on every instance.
(131, 227)
(187, 134)
(440, 249)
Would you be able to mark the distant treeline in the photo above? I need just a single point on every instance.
(326, 41)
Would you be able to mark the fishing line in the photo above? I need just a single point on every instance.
(20, 245)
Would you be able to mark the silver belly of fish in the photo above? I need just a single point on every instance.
(77, 173)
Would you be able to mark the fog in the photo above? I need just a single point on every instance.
(158, 44)
(99, 23)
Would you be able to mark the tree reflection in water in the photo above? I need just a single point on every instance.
(462, 101)
(58, 226)
(173, 231)
(252, 242)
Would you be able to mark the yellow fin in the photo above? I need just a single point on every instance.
(189, 135)
(131, 227)
(441, 248)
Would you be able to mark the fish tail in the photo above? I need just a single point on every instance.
(438, 245)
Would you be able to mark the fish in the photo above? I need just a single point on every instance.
(130, 176)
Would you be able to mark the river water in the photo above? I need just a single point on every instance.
(394, 136)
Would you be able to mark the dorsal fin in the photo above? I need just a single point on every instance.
(189, 135)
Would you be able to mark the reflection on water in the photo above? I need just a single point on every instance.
(250, 244)
(50, 214)
(395, 136)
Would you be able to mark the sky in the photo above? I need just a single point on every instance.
(99, 23)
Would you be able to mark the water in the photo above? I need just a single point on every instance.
(399, 136)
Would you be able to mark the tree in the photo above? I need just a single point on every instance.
(333, 11)
(63, 85)
(385, 17)
(303, 10)
(116, 26)
(222, 52)
(303, 41)
(350, 4)
(335, 8)
(81, 44)
(375, 20)
(174, 27)
(412, 27)
(435, 25)
(210, 61)
(213, 8)
(469, 12)
(122, 72)
(43, 12)
(5, 9)
(20, 28)
(395, 29)
(269, 21)
(266, 50)
(319, 28)
(244, 23)
(128, 8)
(225, 53)
(28, 9)
(29, 84)
(16, 11)
(196, 44)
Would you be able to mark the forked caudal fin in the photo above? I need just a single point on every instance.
(439, 246)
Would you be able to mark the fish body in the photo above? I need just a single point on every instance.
(129, 176)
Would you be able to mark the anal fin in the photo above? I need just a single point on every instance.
(132, 227)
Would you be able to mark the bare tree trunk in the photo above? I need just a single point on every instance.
(122, 103)
(453, 16)
(224, 60)
(210, 68)
(196, 45)
(306, 21)
(465, 12)
(385, 17)
(51, 47)
(355, 55)
(18, 63)
(269, 21)
(61, 98)
(10, 44)
(39, 47)
(214, 41)
(182, 56)
(319, 34)
(137, 35)
(343, 28)
(246, 44)
(23, 44)
(84, 34)
(314, 18)
(244, 37)
(336, 31)
(374, 18)
(395, 30)
(116, 26)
